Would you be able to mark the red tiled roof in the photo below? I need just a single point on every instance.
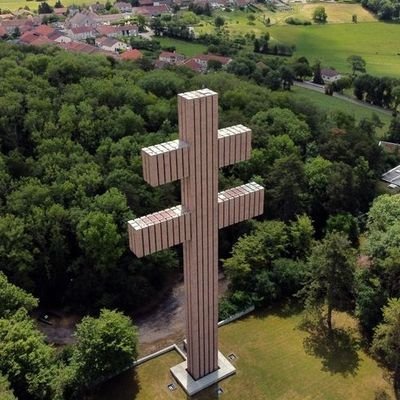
(44, 30)
(82, 29)
(106, 29)
(41, 40)
(28, 37)
(133, 54)
(193, 65)
(151, 10)
(60, 11)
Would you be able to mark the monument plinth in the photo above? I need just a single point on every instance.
(195, 158)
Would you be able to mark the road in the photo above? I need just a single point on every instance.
(320, 89)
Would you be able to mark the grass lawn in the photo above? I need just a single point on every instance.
(186, 48)
(276, 361)
(329, 103)
(377, 42)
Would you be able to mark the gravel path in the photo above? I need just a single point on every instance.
(162, 326)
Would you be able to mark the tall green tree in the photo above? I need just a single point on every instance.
(25, 358)
(105, 345)
(320, 15)
(12, 298)
(357, 64)
(331, 275)
(386, 342)
(5, 392)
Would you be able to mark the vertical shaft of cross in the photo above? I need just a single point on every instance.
(198, 126)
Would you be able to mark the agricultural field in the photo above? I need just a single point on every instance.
(377, 42)
(330, 103)
(238, 22)
(275, 361)
(14, 5)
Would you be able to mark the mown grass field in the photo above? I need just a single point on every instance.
(186, 48)
(330, 103)
(377, 42)
(276, 361)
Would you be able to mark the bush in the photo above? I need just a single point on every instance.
(297, 21)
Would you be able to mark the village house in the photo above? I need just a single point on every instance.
(79, 47)
(111, 44)
(329, 75)
(82, 19)
(82, 33)
(200, 62)
(151, 11)
(123, 7)
(17, 25)
(60, 11)
(131, 55)
(171, 57)
(59, 37)
(120, 30)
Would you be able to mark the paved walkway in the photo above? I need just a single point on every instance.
(320, 89)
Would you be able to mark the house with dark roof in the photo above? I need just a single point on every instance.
(330, 75)
(170, 57)
(82, 32)
(21, 25)
(123, 7)
(111, 44)
(82, 19)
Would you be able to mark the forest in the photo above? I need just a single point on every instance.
(71, 130)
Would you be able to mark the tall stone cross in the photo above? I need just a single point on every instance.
(195, 159)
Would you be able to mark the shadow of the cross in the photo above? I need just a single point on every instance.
(337, 350)
(210, 393)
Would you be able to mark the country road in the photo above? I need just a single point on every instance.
(320, 89)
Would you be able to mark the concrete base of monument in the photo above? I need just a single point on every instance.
(191, 386)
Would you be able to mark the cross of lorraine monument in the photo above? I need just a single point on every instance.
(195, 158)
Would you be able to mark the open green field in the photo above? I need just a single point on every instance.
(186, 48)
(330, 103)
(338, 13)
(14, 5)
(237, 21)
(377, 42)
(276, 361)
